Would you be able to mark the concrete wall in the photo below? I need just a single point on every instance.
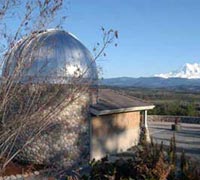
(114, 133)
(182, 119)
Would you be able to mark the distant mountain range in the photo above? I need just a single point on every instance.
(188, 71)
(151, 82)
(187, 77)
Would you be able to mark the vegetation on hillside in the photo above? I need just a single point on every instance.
(168, 102)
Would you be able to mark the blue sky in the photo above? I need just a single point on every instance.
(155, 36)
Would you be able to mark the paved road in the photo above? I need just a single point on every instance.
(187, 139)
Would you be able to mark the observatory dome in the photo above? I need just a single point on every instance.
(51, 56)
(56, 113)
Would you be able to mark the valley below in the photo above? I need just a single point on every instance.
(167, 101)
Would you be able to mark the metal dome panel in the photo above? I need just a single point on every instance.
(52, 56)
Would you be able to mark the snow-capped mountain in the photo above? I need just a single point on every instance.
(188, 77)
(188, 71)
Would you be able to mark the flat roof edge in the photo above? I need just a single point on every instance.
(120, 110)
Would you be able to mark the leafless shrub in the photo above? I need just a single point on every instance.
(23, 101)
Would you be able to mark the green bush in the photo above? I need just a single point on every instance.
(150, 162)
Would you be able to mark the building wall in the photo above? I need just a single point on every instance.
(114, 133)
(64, 138)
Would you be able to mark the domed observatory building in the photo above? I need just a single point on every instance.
(58, 77)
